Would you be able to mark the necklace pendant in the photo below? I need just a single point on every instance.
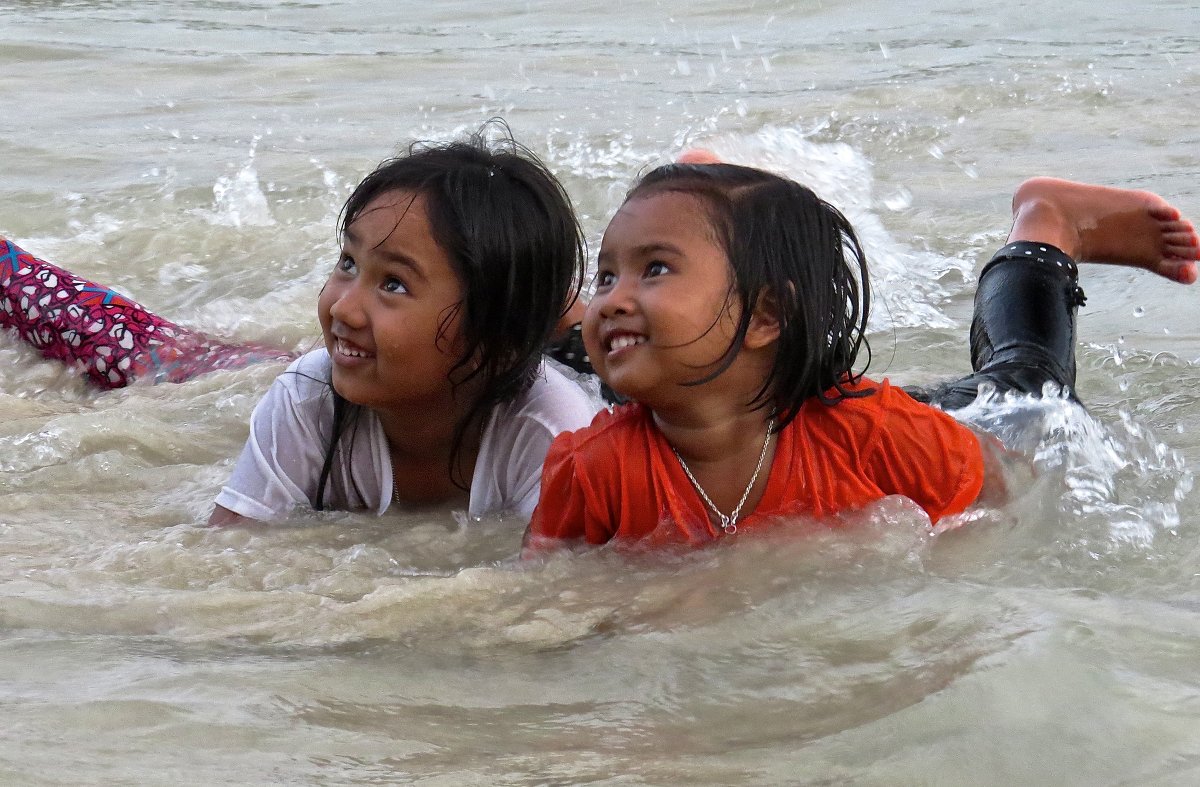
(728, 523)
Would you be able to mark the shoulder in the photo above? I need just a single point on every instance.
(896, 408)
(551, 406)
(518, 437)
(923, 453)
(301, 397)
(891, 426)
(869, 401)
(615, 438)
(857, 425)
(308, 375)
(859, 413)
(554, 401)
(611, 428)
(885, 407)
(587, 475)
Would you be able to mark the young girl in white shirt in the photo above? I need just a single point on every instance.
(458, 261)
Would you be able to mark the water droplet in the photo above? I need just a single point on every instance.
(900, 200)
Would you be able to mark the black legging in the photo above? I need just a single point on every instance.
(1023, 332)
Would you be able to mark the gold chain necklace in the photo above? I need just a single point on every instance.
(728, 523)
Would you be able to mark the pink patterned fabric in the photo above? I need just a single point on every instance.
(109, 338)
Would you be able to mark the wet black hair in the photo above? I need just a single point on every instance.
(518, 250)
(788, 245)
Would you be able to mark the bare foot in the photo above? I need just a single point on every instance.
(698, 156)
(1110, 225)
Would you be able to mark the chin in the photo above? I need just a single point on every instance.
(629, 390)
(346, 389)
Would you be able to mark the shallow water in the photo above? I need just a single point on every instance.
(195, 155)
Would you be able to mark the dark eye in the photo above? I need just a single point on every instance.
(605, 278)
(346, 264)
(656, 269)
(392, 284)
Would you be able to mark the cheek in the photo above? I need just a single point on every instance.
(713, 312)
(591, 331)
(325, 301)
(445, 331)
(731, 314)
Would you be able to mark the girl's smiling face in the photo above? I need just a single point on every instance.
(662, 313)
(389, 309)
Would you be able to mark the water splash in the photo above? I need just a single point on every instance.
(616, 160)
(1119, 475)
(239, 200)
(907, 281)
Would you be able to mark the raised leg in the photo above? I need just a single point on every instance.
(1102, 224)
(1023, 332)
(109, 338)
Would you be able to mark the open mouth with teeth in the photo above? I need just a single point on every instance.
(350, 350)
(623, 340)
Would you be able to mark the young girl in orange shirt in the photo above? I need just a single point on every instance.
(731, 308)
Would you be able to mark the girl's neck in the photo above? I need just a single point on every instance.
(422, 443)
(703, 433)
(705, 422)
(427, 430)
(720, 440)
(727, 458)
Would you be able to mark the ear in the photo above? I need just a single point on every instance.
(764, 322)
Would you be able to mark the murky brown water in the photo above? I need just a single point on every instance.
(195, 155)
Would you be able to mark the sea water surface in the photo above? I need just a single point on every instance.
(195, 155)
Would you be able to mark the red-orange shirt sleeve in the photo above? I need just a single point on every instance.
(922, 453)
(562, 505)
(571, 506)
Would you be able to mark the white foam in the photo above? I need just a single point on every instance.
(239, 199)
(907, 289)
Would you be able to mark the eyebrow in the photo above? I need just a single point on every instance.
(646, 249)
(394, 258)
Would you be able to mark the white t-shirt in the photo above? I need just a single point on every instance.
(280, 464)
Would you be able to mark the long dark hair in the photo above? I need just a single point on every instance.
(508, 227)
(785, 243)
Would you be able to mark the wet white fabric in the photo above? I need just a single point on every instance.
(280, 465)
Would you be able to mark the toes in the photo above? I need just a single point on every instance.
(1182, 271)
(1165, 212)
(1181, 248)
(1179, 227)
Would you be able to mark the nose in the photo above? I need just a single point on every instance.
(345, 303)
(618, 298)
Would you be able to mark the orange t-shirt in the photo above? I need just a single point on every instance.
(618, 477)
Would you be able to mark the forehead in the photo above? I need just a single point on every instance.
(395, 221)
(388, 211)
(670, 216)
(666, 213)
(395, 226)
